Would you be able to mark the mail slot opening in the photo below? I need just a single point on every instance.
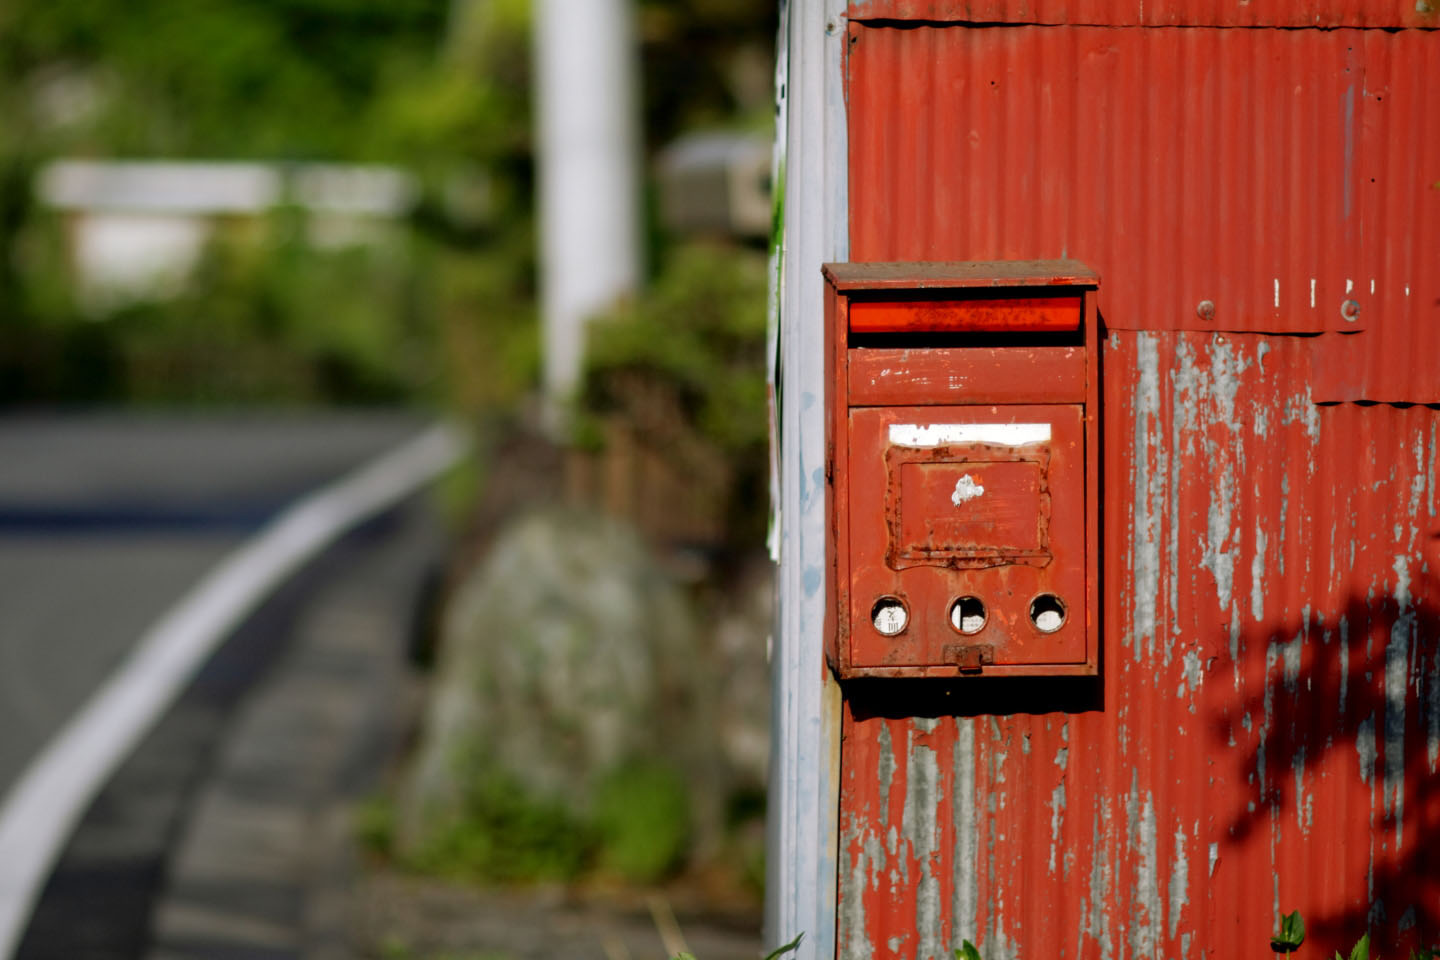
(968, 615)
(1047, 612)
(889, 615)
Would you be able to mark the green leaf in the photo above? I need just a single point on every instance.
(779, 952)
(966, 951)
(1424, 953)
(684, 956)
(1291, 935)
(1361, 950)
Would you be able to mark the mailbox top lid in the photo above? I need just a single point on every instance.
(1003, 274)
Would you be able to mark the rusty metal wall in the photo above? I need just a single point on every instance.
(1398, 357)
(1245, 13)
(1275, 174)
(1265, 733)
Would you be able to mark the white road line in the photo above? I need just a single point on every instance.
(43, 807)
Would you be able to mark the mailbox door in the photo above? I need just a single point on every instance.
(967, 536)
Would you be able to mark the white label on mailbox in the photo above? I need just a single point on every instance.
(941, 434)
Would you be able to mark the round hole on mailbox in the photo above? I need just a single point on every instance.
(967, 615)
(1047, 612)
(889, 616)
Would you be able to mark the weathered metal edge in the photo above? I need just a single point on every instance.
(960, 275)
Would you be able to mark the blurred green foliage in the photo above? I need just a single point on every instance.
(637, 829)
(259, 322)
(700, 327)
(687, 357)
(222, 78)
(439, 309)
(707, 63)
(505, 834)
(642, 819)
(445, 313)
(396, 948)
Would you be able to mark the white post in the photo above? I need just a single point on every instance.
(587, 150)
(805, 756)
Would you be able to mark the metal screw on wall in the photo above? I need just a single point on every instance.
(1206, 311)
(1350, 311)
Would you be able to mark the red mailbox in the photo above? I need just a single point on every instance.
(963, 468)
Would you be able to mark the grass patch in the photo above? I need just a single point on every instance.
(642, 821)
(637, 829)
(505, 834)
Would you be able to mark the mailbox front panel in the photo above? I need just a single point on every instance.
(972, 519)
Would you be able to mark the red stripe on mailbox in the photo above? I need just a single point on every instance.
(980, 316)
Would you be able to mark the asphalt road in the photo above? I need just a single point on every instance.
(106, 519)
(105, 522)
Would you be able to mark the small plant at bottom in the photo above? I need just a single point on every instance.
(1361, 950)
(779, 952)
(1291, 935)
(966, 951)
(775, 954)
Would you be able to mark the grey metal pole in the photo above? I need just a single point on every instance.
(805, 756)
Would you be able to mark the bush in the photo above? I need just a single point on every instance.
(642, 819)
(638, 829)
(684, 365)
(505, 834)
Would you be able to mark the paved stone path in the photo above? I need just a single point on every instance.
(263, 867)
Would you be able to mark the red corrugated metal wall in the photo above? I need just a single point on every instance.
(1265, 735)
(1216, 13)
(1275, 173)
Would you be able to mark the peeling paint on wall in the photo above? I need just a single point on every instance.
(964, 860)
(1146, 504)
(1147, 916)
(921, 829)
(1179, 883)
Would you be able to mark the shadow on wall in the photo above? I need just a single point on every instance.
(1350, 693)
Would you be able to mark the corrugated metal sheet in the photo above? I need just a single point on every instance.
(1155, 13)
(1398, 358)
(1274, 173)
(1266, 735)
